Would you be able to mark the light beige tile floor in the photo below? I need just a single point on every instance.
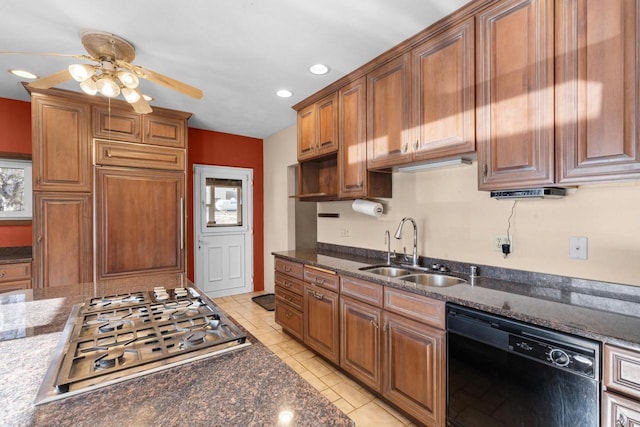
(351, 398)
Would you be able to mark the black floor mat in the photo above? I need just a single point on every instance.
(266, 301)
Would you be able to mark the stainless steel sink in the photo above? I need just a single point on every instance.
(387, 270)
(429, 279)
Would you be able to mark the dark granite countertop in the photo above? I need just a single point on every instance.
(12, 255)
(248, 387)
(605, 312)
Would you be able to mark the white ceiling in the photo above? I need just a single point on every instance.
(239, 52)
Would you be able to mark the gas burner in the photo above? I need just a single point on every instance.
(106, 301)
(111, 326)
(179, 313)
(111, 358)
(194, 338)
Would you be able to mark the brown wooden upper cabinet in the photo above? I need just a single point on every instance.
(119, 124)
(388, 119)
(515, 94)
(443, 94)
(61, 141)
(597, 111)
(318, 128)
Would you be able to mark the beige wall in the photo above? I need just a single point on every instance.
(279, 153)
(458, 222)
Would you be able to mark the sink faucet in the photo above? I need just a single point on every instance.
(398, 235)
(387, 240)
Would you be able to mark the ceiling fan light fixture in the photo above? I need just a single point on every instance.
(131, 95)
(107, 87)
(88, 86)
(81, 72)
(147, 97)
(128, 79)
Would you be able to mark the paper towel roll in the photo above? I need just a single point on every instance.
(367, 207)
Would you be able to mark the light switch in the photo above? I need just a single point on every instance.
(578, 247)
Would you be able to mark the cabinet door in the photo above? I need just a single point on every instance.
(327, 111)
(162, 130)
(388, 121)
(307, 132)
(515, 97)
(321, 320)
(62, 237)
(360, 344)
(444, 94)
(597, 112)
(61, 141)
(139, 221)
(352, 155)
(414, 368)
(618, 411)
(112, 123)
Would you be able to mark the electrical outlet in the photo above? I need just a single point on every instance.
(502, 239)
(344, 232)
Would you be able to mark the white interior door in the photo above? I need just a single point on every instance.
(223, 230)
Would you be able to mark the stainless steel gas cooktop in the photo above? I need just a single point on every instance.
(117, 337)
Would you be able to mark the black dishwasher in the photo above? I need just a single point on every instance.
(502, 372)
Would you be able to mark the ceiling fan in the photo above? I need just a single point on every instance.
(112, 72)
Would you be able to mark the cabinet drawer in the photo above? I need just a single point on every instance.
(289, 318)
(290, 298)
(139, 156)
(622, 370)
(320, 277)
(290, 268)
(15, 272)
(415, 306)
(368, 292)
(289, 283)
(15, 286)
(618, 411)
(116, 124)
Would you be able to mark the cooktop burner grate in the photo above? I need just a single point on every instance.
(109, 339)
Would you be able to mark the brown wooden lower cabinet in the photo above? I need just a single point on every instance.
(15, 276)
(360, 341)
(414, 368)
(62, 239)
(321, 321)
(289, 318)
(618, 411)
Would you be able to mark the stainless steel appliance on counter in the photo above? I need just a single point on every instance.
(113, 338)
(501, 372)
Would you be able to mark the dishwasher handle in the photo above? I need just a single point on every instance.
(479, 330)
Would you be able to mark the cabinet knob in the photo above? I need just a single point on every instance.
(405, 147)
(287, 284)
(288, 314)
(287, 269)
(375, 324)
(416, 145)
(385, 328)
(318, 296)
(40, 239)
(108, 153)
(38, 180)
(2, 273)
(319, 281)
(287, 298)
(485, 170)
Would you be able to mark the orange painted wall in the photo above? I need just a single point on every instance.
(223, 149)
(15, 137)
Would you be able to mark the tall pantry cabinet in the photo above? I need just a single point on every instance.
(102, 170)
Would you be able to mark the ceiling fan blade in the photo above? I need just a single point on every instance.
(165, 81)
(141, 106)
(52, 80)
(63, 55)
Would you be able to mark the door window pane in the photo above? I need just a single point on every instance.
(223, 202)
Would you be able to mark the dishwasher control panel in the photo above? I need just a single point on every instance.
(559, 356)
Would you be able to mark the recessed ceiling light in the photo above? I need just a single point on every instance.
(24, 74)
(147, 97)
(319, 69)
(284, 93)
